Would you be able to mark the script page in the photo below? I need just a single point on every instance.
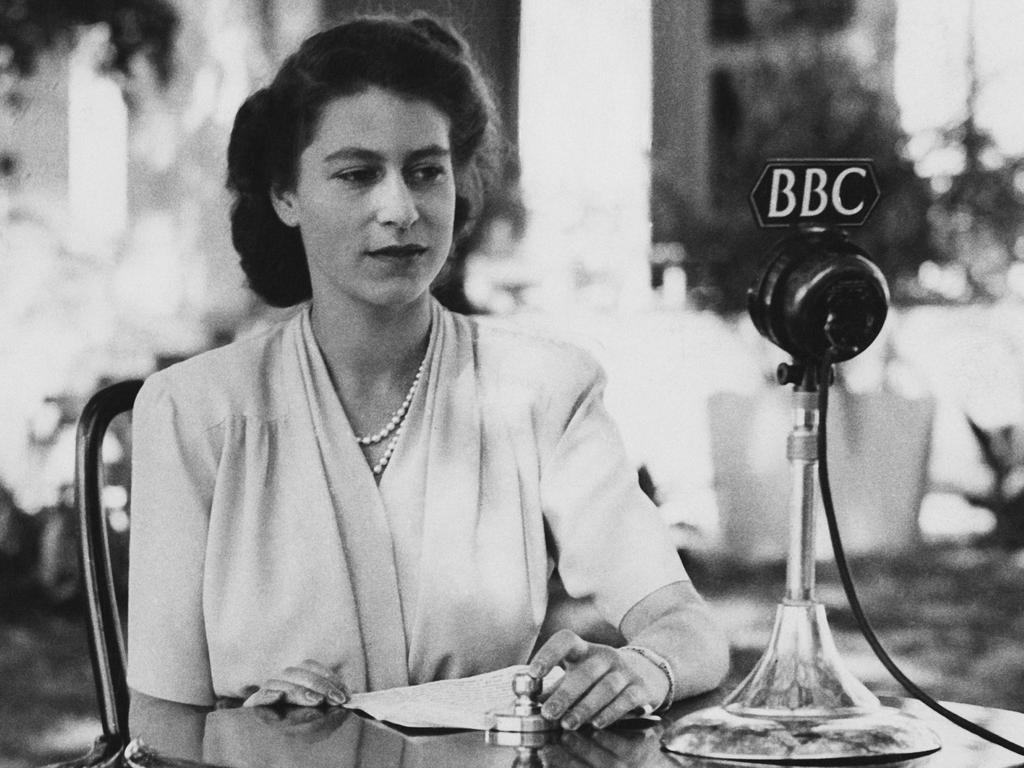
(463, 703)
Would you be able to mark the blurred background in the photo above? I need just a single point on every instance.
(637, 128)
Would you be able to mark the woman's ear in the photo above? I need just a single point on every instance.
(285, 206)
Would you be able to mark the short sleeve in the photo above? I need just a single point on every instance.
(612, 546)
(173, 469)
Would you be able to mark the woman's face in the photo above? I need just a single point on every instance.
(374, 200)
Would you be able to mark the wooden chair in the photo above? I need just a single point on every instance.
(106, 641)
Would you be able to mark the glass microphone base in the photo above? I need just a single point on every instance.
(883, 736)
(800, 706)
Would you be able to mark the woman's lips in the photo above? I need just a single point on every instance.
(398, 251)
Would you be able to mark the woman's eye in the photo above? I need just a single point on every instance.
(426, 174)
(356, 175)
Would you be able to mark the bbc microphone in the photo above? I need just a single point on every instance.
(819, 295)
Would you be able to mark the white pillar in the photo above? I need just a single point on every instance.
(97, 149)
(585, 136)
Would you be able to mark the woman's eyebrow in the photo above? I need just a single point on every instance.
(434, 151)
(368, 155)
(352, 153)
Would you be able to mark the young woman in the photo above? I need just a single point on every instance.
(379, 492)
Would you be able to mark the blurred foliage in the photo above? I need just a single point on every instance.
(815, 102)
(810, 15)
(989, 187)
(979, 210)
(978, 213)
(731, 19)
(137, 27)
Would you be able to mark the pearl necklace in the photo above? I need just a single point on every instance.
(394, 426)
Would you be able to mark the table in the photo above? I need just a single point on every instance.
(336, 738)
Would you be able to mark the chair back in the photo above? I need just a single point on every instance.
(106, 642)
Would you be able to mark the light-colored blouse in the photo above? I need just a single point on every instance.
(260, 538)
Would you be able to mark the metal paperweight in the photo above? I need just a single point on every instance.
(525, 716)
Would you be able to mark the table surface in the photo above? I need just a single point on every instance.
(336, 738)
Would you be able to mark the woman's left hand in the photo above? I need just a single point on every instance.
(309, 684)
(601, 684)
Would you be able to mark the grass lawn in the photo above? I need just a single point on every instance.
(47, 700)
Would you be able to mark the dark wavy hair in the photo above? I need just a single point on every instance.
(417, 57)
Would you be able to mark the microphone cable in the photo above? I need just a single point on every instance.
(851, 595)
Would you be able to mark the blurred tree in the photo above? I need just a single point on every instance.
(813, 15)
(978, 211)
(29, 27)
(814, 101)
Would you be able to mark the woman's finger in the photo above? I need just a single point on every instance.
(578, 680)
(334, 675)
(629, 699)
(562, 646)
(263, 697)
(317, 679)
(571, 688)
(293, 693)
(605, 684)
(308, 684)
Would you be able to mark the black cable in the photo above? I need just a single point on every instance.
(851, 594)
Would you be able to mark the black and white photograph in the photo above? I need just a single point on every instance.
(591, 383)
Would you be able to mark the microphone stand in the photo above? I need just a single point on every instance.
(800, 704)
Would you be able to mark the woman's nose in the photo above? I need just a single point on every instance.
(396, 205)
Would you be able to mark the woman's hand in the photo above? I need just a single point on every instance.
(600, 685)
(309, 684)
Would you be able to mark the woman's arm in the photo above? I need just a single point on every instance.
(671, 626)
(676, 623)
(172, 729)
(613, 550)
(173, 469)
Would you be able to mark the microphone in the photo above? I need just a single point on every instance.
(819, 296)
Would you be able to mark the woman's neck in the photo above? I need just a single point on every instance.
(367, 347)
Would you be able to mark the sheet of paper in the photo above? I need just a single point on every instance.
(461, 703)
